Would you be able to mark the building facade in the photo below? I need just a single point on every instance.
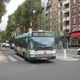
(52, 15)
(75, 22)
(70, 16)
(48, 14)
(64, 17)
(75, 15)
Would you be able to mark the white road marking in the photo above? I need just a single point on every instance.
(12, 59)
(5, 61)
(66, 59)
(2, 56)
(19, 58)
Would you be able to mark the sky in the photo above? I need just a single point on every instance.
(11, 7)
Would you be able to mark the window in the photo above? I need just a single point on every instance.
(79, 28)
(79, 9)
(79, 1)
(79, 19)
(74, 10)
(74, 28)
(73, 1)
(74, 20)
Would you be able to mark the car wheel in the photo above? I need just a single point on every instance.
(78, 52)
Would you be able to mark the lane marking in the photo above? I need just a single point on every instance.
(5, 61)
(18, 57)
(2, 56)
(66, 59)
(12, 59)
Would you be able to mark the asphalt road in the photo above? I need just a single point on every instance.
(15, 68)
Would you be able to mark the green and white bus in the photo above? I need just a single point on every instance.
(37, 45)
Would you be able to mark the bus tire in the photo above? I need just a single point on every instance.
(24, 55)
(78, 52)
(17, 53)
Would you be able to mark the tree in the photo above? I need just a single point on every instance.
(3, 36)
(43, 21)
(23, 16)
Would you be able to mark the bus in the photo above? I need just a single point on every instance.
(36, 45)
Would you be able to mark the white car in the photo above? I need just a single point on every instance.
(5, 45)
(12, 45)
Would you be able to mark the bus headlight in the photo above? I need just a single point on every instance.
(32, 54)
(54, 51)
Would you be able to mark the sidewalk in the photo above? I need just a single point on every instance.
(59, 57)
(2, 56)
(69, 55)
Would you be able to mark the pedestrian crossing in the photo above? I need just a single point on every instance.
(9, 58)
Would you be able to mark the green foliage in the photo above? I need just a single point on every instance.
(43, 22)
(22, 17)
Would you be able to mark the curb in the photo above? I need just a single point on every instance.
(66, 59)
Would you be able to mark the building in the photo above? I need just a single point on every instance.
(64, 17)
(69, 11)
(48, 14)
(52, 14)
(75, 22)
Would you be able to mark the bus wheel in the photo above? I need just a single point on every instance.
(78, 52)
(17, 53)
(24, 55)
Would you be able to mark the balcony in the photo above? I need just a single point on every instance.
(66, 6)
(66, 10)
(66, 14)
(66, 27)
(66, 19)
(66, 1)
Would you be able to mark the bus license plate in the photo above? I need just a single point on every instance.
(43, 58)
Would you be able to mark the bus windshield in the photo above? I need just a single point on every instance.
(43, 43)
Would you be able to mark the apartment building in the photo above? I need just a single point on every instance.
(70, 20)
(75, 22)
(52, 15)
(64, 17)
(48, 14)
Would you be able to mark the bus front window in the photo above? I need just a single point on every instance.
(43, 43)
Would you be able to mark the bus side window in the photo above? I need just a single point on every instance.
(31, 44)
(24, 43)
(28, 45)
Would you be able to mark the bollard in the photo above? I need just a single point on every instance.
(65, 54)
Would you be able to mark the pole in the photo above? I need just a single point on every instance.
(64, 40)
(30, 2)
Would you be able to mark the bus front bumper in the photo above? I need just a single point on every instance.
(42, 58)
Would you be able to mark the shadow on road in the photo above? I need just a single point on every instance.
(41, 62)
(38, 61)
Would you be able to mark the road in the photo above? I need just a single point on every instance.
(14, 67)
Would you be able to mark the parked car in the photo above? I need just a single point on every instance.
(12, 45)
(5, 45)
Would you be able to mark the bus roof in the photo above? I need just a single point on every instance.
(31, 34)
(24, 35)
